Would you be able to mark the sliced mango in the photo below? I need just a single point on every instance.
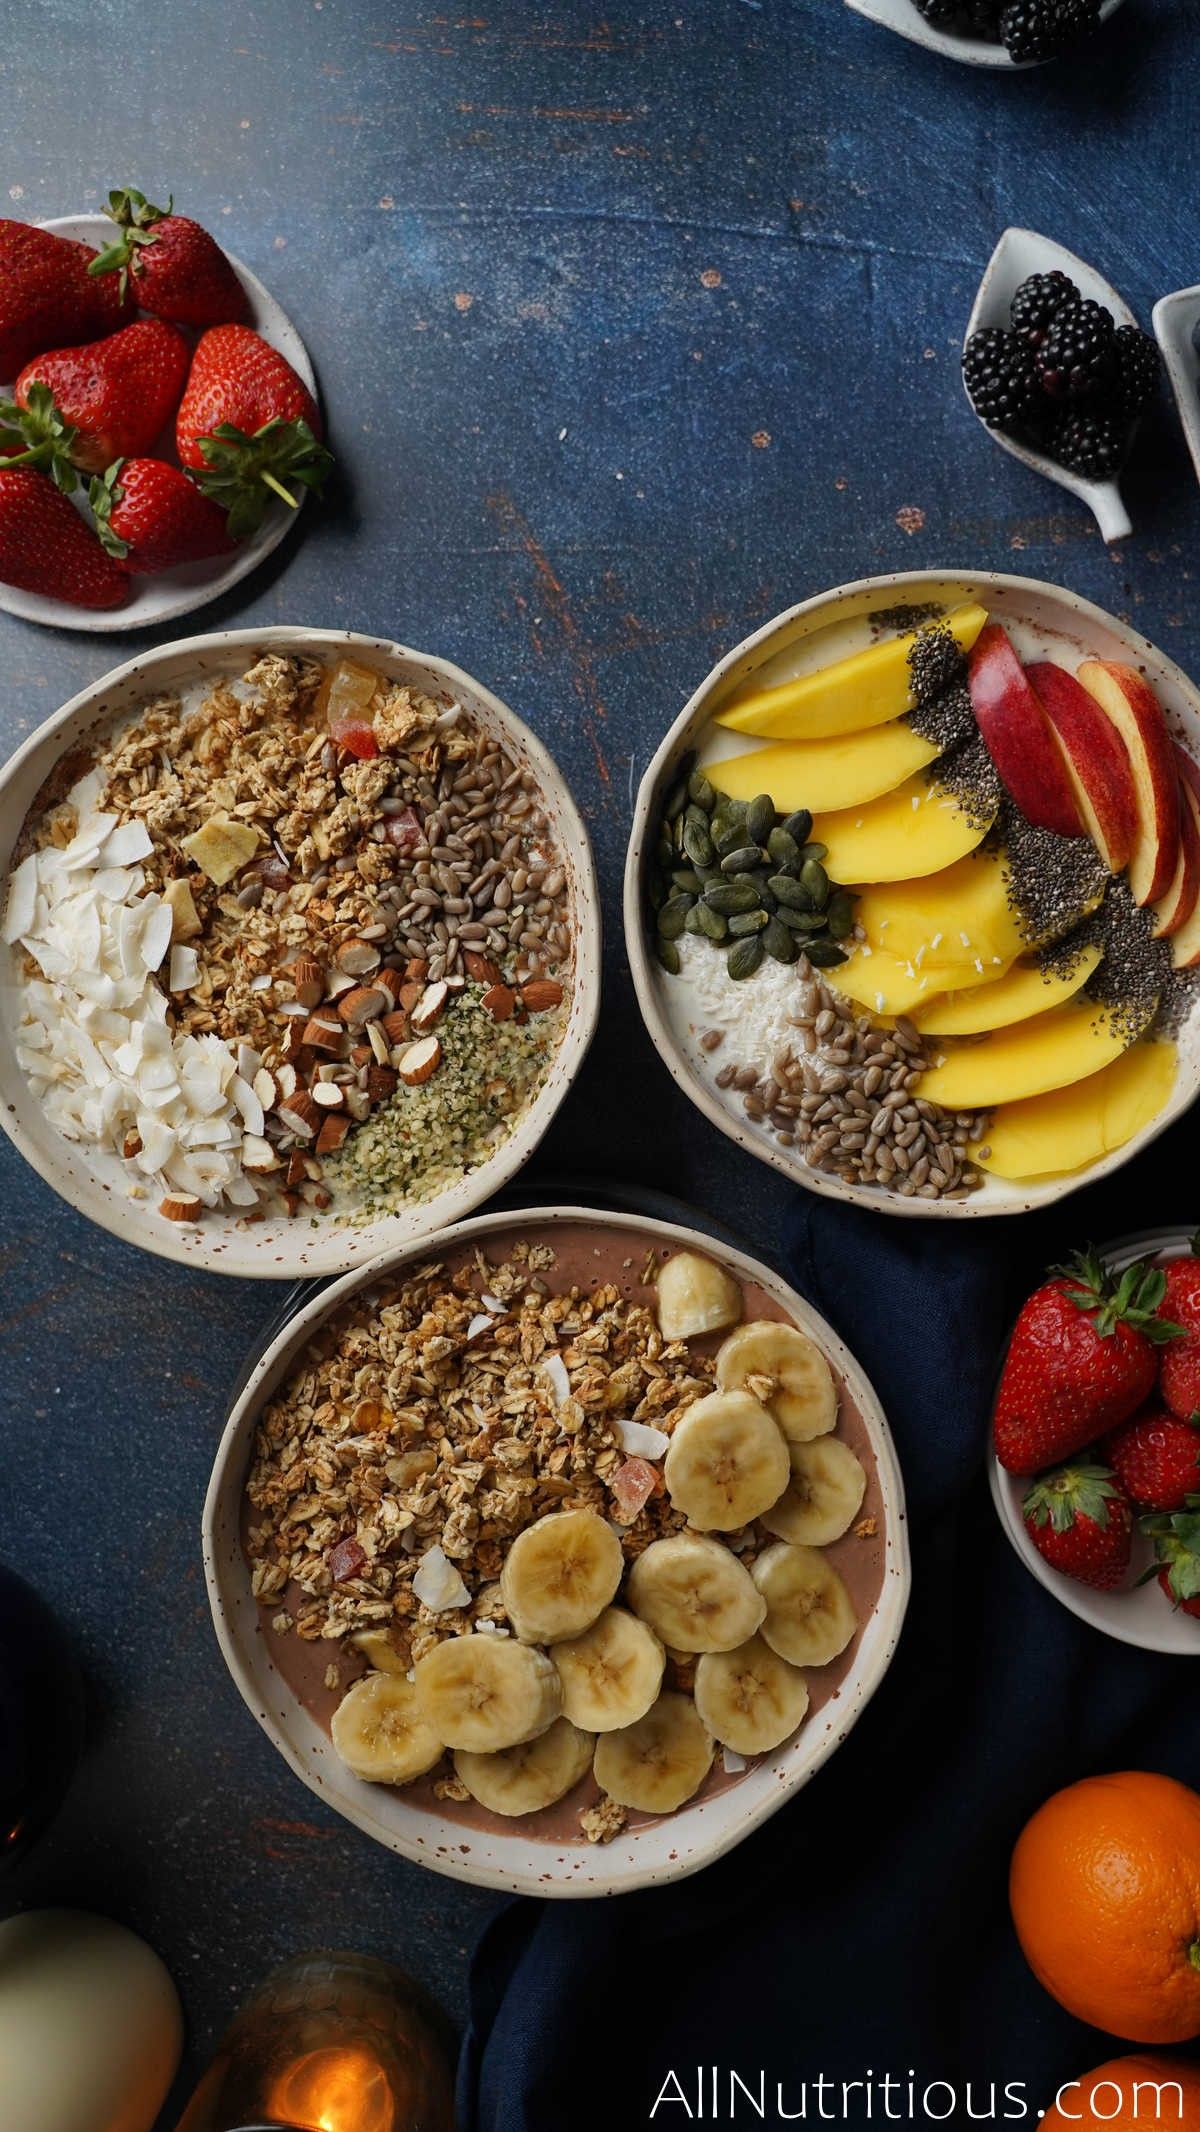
(902, 836)
(1020, 994)
(867, 689)
(1051, 1051)
(951, 921)
(884, 986)
(1055, 1134)
(820, 774)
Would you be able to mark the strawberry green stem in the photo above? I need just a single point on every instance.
(291, 501)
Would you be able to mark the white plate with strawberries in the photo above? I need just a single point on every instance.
(1096, 1475)
(198, 342)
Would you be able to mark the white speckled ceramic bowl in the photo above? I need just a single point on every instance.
(280, 1249)
(171, 593)
(1145, 1616)
(1019, 253)
(902, 17)
(1066, 626)
(517, 1860)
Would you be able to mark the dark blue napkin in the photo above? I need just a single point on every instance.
(864, 1930)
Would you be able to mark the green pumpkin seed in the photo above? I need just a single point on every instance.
(691, 923)
(799, 825)
(744, 959)
(672, 916)
(741, 861)
(727, 836)
(729, 897)
(685, 877)
(669, 957)
(696, 840)
(768, 901)
(760, 818)
(747, 922)
(778, 943)
(793, 895)
(709, 922)
(840, 915)
(815, 851)
(802, 921)
(826, 955)
(814, 878)
(676, 800)
(666, 852)
(783, 849)
(701, 792)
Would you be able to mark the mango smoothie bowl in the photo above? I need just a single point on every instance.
(913, 896)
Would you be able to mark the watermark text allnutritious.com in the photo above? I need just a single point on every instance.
(715, 2095)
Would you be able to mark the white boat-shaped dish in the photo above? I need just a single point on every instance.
(1176, 318)
(1019, 253)
(903, 17)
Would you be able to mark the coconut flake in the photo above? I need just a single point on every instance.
(480, 1323)
(734, 1763)
(126, 844)
(556, 1370)
(437, 1584)
(185, 969)
(22, 899)
(640, 1440)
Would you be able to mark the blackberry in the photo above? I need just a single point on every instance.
(980, 16)
(1136, 372)
(1038, 300)
(999, 376)
(1077, 356)
(1088, 443)
(1042, 29)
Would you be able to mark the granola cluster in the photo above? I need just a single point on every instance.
(450, 1413)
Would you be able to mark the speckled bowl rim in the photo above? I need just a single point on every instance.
(894, 587)
(519, 1863)
(275, 1250)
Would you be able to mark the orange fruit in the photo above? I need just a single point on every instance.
(1105, 1893)
(1130, 2095)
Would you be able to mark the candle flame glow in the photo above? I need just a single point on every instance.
(341, 2089)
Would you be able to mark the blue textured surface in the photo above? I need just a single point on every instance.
(632, 329)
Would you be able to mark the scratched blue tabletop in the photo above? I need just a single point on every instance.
(634, 326)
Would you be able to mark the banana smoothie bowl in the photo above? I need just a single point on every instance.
(912, 898)
(300, 949)
(555, 1555)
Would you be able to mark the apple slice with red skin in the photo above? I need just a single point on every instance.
(1180, 901)
(1018, 736)
(1096, 760)
(1185, 944)
(1134, 709)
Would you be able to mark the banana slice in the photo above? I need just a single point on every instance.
(782, 1367)
(824, 1497)
(726, 1462)
(559, 1574)
(659, 1762)
(611, 1674)
(379, 1651)
(695, 1594)
(381, 1732)
(695, 1296)
(483, 1693)
(750, 1699)
(524, 1779)
(810, 1614)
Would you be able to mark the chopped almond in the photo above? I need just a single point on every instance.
(389, 981)
(381, 1083)
(416, 969)
(420, 1060)
(300, 1114)
(481, 968)
(429, 1008)
(131, 1145)
(332, 1133)
(394, 1027)
(297, 1169)
(324, 1033)
(307, 980)
(328, 1095)
(361, 1005)
(357, 958)
(541, 994)
(499, 1002)
(180, 1206)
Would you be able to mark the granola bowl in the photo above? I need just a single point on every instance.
(302, 949)
(912, 895)
(494, 1639)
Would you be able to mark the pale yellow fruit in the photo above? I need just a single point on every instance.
(659, 1762)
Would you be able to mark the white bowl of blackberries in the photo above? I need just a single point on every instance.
(1028, 31)
(1062, 377)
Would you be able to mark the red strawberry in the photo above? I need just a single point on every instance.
(114, 396)
(1177, 1554)
(1081, 1359)
(1156, 1458)
(172, 267)
(151, 517)
(1081, 1524)
(1179, 1373)
(47, 295)
(250, 424)
(45, 546)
